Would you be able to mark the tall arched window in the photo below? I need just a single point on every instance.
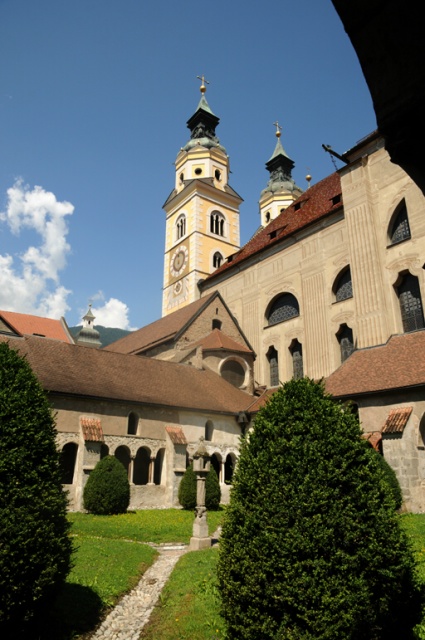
(217, 260)
(133, 421)
(158, 466)
(181, 227)
(283, 308)
(346, 342)
(343, 287)
(399, 228)
(409, 295)
(272, 357)
(209, 430)
(217, 221)
(296, 351)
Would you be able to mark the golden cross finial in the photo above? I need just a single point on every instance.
(203, 87)
(278, 129)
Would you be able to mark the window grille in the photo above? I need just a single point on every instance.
(400, 229)
(284, 308)
(346, 342)
(410, 303)
(297, 360)
(273, 367)
(344, 287)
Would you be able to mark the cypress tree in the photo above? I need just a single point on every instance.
(311, 546)
(35, 547)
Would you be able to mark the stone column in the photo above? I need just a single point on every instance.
(201, 466)
(151, 471)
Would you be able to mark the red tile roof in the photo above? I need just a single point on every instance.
(315, 203)
(24, 323)
(75, 370)
(176, 435)
(217, 340)
(161, 330)
(397, 364)
(92, 429)
(373, 438)
(397, 420)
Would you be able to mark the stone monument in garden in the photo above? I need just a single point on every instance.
(201, 466)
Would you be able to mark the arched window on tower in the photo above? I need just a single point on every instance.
(409, 295)
(283, 308)
(346, 342)
(273, 360)
(217, 260)
(343, 286)
(180, 226)
(217, 223)
(399, 228)
(296, 351)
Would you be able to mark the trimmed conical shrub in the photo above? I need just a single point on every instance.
(107, 491)
(35, 547)
(311, 546)
(212, 491)
(187, 489)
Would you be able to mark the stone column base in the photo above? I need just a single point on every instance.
(199, 543)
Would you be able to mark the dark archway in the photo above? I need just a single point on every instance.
(141, 466)
(68, 459)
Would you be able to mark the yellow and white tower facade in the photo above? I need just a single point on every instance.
(202, 212)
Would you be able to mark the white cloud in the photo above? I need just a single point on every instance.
(112, 313)
(32, 285)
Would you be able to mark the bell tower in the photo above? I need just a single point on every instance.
(202, 211)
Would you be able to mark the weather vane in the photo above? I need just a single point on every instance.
(204, 82)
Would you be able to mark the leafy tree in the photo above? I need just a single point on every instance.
(212, 491)
(107, 490)
(311, 546)
(187, 490)
(35, 547)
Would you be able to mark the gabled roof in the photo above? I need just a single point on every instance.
(165, 329)
(399, 363)
(317, 202)
(25, 324)
(77, 371)
(217, 341)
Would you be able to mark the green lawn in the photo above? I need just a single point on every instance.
(110, 559)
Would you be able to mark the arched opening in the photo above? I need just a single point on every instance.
(273, 360)
(141, 466)
(180, 227)
(346, 341)
(229, 467)
(216, 324)
(217, 260)
(158, 466)
(133, 423)
(296, 351)
(399, 228)
(217, 223)
(104, 450)
(209, 430)
(216, 464)
(343, 286)
(284, 307)
(233, 372)
(122, 454)
(68, 459)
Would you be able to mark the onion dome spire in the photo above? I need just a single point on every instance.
(88, 335)
(203, 123)
(280, 168)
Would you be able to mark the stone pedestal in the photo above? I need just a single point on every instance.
(201, 466)
(200, 538)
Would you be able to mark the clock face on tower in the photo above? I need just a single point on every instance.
(178, 260)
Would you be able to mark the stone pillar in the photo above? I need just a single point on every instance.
(151, 471)
(201, 465)
(131, 469)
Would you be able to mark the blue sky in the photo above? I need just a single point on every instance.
(94, 99)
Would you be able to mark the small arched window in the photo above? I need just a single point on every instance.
(133, 422)
(217, 260)
(217, 223)
(409, 295)
(209, 430)
(180, 227)
(273, 359)
(343, 287)
(296, 351)
(283, 308)
(399, 228)
(216, 324)
(346, 342)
